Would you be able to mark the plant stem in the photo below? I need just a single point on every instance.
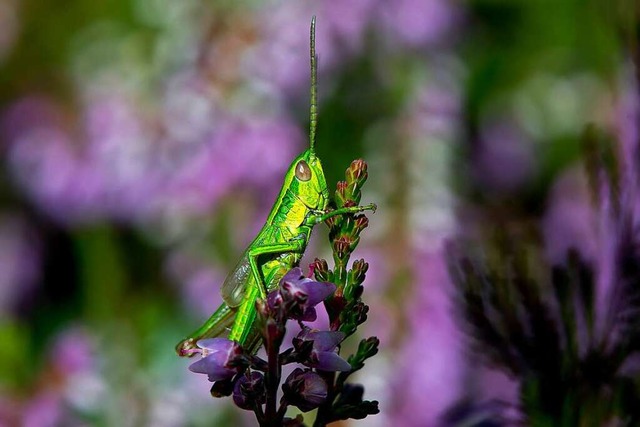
(272, 380)
(324, 410)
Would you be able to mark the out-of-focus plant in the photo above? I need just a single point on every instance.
(569, 333)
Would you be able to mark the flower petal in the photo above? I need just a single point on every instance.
(216, 344)
(293, 275)
(325, 340)
(330, 361)
(213, 366)
(316, 291)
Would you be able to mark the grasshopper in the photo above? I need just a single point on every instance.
(302, 203)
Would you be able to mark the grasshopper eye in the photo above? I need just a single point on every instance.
(303, 172)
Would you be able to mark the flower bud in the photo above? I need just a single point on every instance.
(321, 269)
(341, 193)
(361, 222)
(305, 389)
(249, 391)
(333, 221)
(341, 246)
(357, 172)
(358, 271)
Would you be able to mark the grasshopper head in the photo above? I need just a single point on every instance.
(308, 182)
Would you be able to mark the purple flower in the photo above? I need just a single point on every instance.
(322, 355)
(249, 391)
(305, 389)
(432, 381)
(20, 258)
(417, 22)
(300, 295)
(220, 358)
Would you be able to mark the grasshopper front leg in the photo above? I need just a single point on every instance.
(320, 216)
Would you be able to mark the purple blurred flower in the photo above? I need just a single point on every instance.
(282, 57)
(323, 355)
(305, 389)
(418, 22)
(432, 380)
(219, 358)
(300, 295)
(627, 116)
(504, 160)
(105, 176)
(252, 152)
(570, 220)
(73, 352)
(43, 410)
(196, 279)
(20, 261)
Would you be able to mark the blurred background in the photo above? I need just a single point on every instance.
(142, 143)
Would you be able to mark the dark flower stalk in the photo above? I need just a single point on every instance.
(320, 380)
(345, 308)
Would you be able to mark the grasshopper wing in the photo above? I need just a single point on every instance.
(236, 283)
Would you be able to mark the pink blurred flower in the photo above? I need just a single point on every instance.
(20, 260)
(283, 57)
(570, 220)
(432, 349)
(418, 22)
(504, 159)
(44, 410)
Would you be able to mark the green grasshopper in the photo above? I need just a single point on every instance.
(302, 203)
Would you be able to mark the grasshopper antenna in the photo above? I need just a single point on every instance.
(314, 88)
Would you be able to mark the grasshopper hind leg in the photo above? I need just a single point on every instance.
(219, 323)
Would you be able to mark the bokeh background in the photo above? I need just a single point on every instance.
(144, 141)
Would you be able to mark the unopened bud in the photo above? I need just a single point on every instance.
(357, 172)
(361, 222)
(249, 391)
(341, 193)
(359, 270)
(305, 389)
(341, 246)
(321, 270)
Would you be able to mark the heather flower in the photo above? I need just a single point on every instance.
(301, 294)
(305, 389)
(249, 391)
(220, 358)
(322, 355)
